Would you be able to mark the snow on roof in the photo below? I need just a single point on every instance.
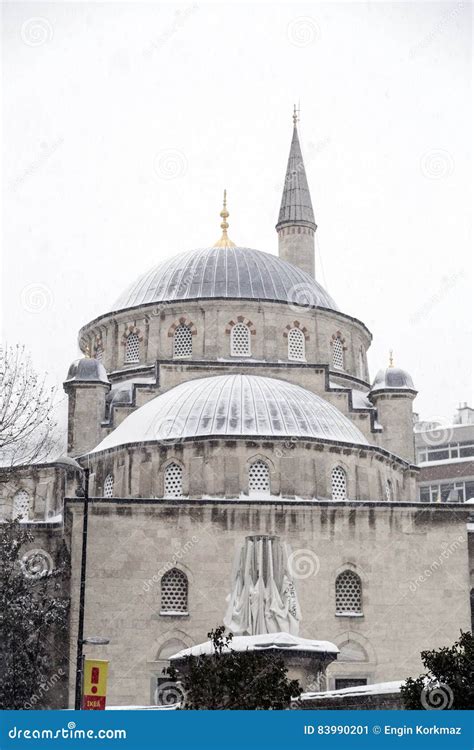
(377, 688)
(230, 272)
(234, 405)
(265, 642)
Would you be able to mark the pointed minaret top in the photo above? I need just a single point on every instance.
(295, 115)
(296, 208)
(224, 240)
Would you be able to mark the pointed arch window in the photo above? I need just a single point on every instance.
(182, 342)
(240, 341)
(174, 593)
(388, 490)
(132, 348)
(296, 345)
(338, 353)
(21, 506)
(174, 480)
(259, 478)
(348, 593)
(339, 483)
(109, 485)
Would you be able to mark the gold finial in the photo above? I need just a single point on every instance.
(390, 359)
(224, 240)
(295, 115)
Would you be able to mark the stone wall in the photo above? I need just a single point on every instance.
(298, 468)
(411, 559)
(209, 320)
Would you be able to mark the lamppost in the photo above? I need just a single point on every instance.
(83, 492)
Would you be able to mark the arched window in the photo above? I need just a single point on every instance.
(338, 353)
(388, 490)
(296, 345)
(259, 478)
(348, 593)
(240, 340)
(339, 484)
(21, 505)
(182, 342)
(132, 348)
(109, 485)
(173, 480)
(174, 593)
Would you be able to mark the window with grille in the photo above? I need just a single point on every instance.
(132, 348)
(348, 593)
(21, 505)
(240, 341)
(259, 478)
(339, 484)
(296, 344)
(388, 490)
(182, 342)
(99, 352)
(109, 486)
(173, 480)
(174, 593)
(337, 353)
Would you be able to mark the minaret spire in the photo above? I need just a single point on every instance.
(296, 225)
(224, 240)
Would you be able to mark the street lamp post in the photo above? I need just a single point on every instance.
(71, 463)
(82, 595)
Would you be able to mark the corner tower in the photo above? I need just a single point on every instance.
(296, 225)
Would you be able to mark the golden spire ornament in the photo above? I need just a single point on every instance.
(390, 359)
(224, 240)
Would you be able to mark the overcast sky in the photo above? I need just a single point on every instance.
(123, 122)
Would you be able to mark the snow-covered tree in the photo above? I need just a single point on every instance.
(33, 619)
(228, 679)
(27, 424)
(448, 682)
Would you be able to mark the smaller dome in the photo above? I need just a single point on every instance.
(87, 370)
(393, 378)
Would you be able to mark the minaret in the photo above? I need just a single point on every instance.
(296, 225)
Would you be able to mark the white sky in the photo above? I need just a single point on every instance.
(93, 93)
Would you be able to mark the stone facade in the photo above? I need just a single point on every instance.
(397, 550)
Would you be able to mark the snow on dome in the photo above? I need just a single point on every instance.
(230, 272)
(264, 642)
(87, 369)
(393, 377)
(234, 405)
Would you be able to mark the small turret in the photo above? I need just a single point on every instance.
(86, 386)
(392, 394)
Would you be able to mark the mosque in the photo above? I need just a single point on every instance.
(245, 469)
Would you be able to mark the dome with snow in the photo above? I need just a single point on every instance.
(394, 378)
(225, 272)
(87, 369)
(237, 406)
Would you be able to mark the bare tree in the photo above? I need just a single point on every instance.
(27, 423)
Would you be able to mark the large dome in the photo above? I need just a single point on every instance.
(230, 272)
(234, 405)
